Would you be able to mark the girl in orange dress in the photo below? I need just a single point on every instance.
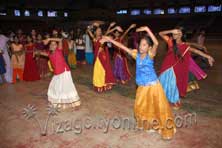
(17, 60)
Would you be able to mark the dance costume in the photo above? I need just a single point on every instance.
(17, 61)
(71, 56)
(120, 70)
(41, 61)
(31, 72)
(103, 77)
(151, 102)
(61, 89)
(195, 73)
(175, 71)
(65, 46)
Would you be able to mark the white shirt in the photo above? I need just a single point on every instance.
(80, 44)
(88, 44)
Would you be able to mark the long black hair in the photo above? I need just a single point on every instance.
(176, 51)
(148, 39)
(94, 28)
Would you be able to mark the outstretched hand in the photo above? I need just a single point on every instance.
(132, 26)
(211, 60)
(105, 39)
(96, 24)
(143, 28)
(112, 24)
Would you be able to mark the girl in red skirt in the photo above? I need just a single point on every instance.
(31, 72)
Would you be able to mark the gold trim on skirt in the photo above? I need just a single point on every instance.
(193, 85)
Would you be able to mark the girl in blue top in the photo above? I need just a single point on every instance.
(151, 109)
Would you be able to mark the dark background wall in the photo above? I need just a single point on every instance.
(105, 10)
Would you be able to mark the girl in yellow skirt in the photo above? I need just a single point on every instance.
(103, 78)
(71, 56)
(152, 110)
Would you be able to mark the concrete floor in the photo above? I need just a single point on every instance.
(18, 132)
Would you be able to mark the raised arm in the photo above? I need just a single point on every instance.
(40, 53)
(46, 41)
(125, 33)
(90, 33)
(153, 38)
(112, 30)
(164, 34)
(110, 26)
(198, 46)
(210, 59)
(121, 46)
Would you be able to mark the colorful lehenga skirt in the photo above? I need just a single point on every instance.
(120, 70)
(72, 60)
(151, 106)
(103, 78)
(195, 73)
(42, 64)
(98, 74)
(169, 81)
(31, 72)
(62, 91)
